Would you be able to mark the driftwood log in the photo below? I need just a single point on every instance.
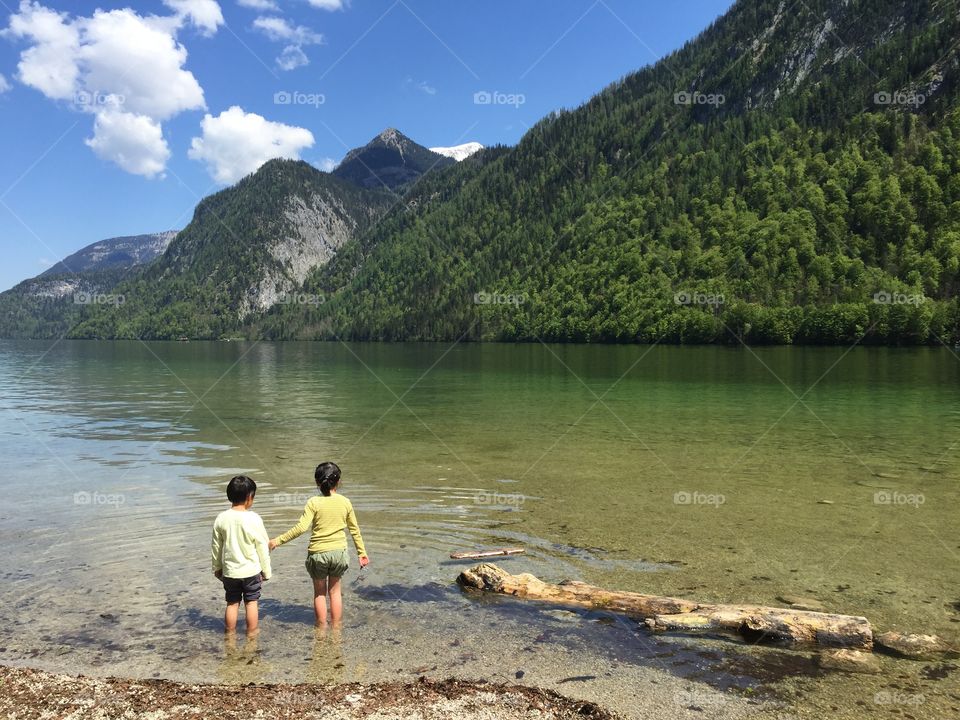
(751, 622)
(478, 554)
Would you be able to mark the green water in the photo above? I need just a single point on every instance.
(710, 473)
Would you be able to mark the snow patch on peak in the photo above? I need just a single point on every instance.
(458, 152)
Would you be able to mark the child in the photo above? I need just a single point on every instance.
(241, 558)
(327, 515)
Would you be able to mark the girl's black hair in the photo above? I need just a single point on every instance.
(327, 476)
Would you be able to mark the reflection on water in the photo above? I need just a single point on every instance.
(702, 472)
(242, 660)
(326, 657)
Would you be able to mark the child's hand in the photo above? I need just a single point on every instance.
(364, 561)
(272, 544)
(218, 574)
(263, 578)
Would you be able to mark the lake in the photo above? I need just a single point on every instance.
(727, 475)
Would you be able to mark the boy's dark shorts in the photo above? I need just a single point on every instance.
(247, 589)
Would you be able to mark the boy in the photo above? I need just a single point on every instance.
(241, 559)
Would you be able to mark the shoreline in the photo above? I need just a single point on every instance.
(29, 693)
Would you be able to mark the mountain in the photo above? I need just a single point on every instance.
(247, 248)
(389, 161)
(791, 175)
(114, 253)
(50, 304)
(458, 152)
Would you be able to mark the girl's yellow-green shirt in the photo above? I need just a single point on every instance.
(326, 517)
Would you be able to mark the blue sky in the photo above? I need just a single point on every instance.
(117, 118)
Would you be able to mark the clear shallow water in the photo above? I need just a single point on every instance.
(697, 472)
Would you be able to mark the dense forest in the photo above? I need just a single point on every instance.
(786, 177)
(826, 215)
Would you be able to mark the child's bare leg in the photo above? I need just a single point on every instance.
(252, 611)
(230, 616)
(320, 601)
(336, 600)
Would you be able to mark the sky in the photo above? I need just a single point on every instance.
(117, 117)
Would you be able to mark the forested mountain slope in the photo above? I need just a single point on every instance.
(788, 176)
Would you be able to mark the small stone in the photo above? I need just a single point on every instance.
(911, 646)
(852, 661)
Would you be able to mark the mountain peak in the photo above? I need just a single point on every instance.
(388, 161)
(392, 136)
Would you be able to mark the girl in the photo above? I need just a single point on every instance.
(327, 515)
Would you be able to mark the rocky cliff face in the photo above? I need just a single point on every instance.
(315, 227)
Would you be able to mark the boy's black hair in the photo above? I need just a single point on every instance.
(240, 488)
(327, 476)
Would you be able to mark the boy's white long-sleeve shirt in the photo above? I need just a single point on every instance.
(240, 545)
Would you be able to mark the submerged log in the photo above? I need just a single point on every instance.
(752, 622)
(476, 555)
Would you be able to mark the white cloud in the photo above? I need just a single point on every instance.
(278, 29)
(327, 4)
(4, 84)
(205, 15)
(124, 68)
(296, 36)
(237, 143)
(422, 86)
(134, 142)
(258, 4)
(50, 65)
(292, 57)
(124, 54)
(327, 164)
